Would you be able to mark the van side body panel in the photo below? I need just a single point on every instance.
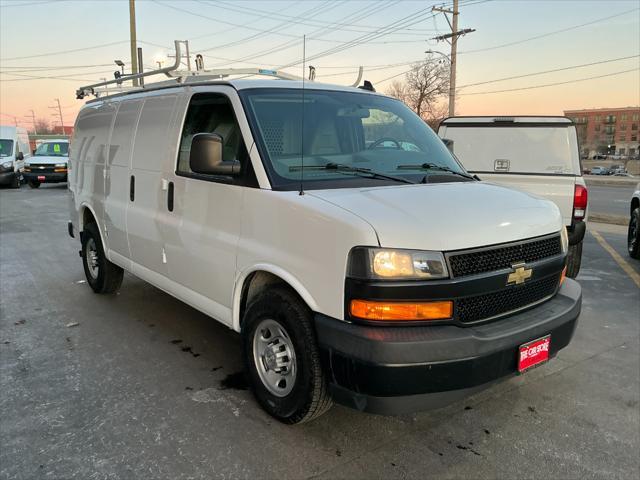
(87, 162)
(303, 236)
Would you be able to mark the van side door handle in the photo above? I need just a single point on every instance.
(132, 188)
(170, 197)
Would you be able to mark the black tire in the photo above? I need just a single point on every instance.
(34, 184)
(16, 181)
(633, 235)
(574, 259)
(309, 397)
(102, 276)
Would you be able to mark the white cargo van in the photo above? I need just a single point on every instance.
(538, 155)
(14, 148)
(48, 164)
(332, 229)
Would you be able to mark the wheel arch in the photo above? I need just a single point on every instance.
(87, 213)
(255, 279)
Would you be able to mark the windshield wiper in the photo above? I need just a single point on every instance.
(340, 167)
(433, 166)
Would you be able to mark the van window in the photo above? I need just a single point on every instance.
(210, 113)
(52, 149)
(6, 146)
(350, 129)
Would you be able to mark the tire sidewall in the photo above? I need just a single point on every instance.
(633, 245)
(91, 232)
(277, 307)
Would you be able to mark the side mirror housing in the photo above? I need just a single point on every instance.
(20, 156)
(206, 156)
(448, 143)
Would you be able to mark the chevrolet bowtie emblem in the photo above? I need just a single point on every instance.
(519, 275)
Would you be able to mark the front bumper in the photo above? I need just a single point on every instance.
(49, 177)
(392, 370)
(7, 178)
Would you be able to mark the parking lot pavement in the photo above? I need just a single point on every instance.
(146, 387)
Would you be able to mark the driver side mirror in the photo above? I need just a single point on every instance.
(448, 143)
(19, 156)
(206, 156)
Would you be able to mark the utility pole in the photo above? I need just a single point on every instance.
(33, 119)
(455, 33)
(132, 35)
(59, 113)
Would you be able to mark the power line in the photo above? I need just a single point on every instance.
(532, 87)
(549, 33)
(550, 71)
(62, 52)
(307, 22)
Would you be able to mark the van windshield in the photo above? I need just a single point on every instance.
(345, 136)
(6, 147)
(517, 149)
(53, 149)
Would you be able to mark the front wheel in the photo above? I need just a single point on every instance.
(102, 275)
(34, 184)
(282, 359)
(633, 236)
(16, 181)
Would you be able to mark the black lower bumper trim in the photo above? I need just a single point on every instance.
(48, 177)
(390, 370)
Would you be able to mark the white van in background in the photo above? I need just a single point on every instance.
(538, 155)
(48, 163)
(14, 149)
(332, 229)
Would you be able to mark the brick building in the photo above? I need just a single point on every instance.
(607, 131)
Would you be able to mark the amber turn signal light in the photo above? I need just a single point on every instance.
(387, 311)
(563, 275)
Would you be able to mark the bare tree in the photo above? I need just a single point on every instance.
(43, 126)
(423, 90)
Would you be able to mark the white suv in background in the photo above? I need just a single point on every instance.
(332, 229)
(48, 163)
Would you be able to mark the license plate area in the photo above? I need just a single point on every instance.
(533, 353)
(41, 178)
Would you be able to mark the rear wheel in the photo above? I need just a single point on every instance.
(574, 259)
(282, 359)
(102, 275)
(34, 184)
(633, 236)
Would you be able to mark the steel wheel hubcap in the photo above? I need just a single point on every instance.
(274, 357)
(92, 258)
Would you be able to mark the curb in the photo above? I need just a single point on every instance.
(610, 219)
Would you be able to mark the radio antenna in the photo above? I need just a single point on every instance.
(304, 59)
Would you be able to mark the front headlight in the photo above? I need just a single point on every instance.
(383, 263)
(564, 239)
(7, 165)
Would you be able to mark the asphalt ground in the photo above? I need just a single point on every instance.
(145, 387)
(610, 200)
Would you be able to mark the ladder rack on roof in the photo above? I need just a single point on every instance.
(184, 77)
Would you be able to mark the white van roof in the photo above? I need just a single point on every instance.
(11, 131)
(239, 84)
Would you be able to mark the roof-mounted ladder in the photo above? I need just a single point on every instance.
(182, 76)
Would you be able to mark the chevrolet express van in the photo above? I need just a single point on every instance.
(48, 164)
(329, 227)
(538, 155)
(14, 149)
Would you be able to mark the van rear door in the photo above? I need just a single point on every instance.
(538, 155)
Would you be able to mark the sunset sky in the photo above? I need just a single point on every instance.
(513, 38)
